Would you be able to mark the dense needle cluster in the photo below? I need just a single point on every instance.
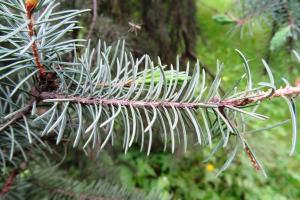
(52, 86)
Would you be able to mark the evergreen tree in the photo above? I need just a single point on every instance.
(282, 15)
(58, 91)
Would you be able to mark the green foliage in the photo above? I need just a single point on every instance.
(107, 86)
(280, 38)
(104, 94)
(44, 182)
(296, 55)
(188, 177)
(169, 76)
(223, 19)
(281, 15)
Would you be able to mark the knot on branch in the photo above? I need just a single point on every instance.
(49, 82)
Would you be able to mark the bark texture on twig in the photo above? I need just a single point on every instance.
(94, 19)
(238, 102)
(8, 183)
(30, 6)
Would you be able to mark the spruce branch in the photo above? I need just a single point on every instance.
(288, 91)
(40, 180)
(17, 116)
(84, 101)
(283, 13)
(30, 6)
(80, 196)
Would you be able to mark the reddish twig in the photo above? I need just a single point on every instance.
(8, 183)
(252, 158)
(17, 116)
(30, 6)
(24, 111)
(214, 103)
(288, 91)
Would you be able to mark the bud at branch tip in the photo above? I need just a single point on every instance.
(31, 5)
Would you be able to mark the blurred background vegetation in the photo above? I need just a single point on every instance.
(186, 28)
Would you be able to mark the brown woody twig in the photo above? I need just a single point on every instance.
(9, 182)
(239, 102)
(94, 20)
(30, 6)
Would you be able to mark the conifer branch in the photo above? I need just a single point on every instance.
(81, 98)
(80, 196)
(48, 96)
(30, 6)
(288, 91)
(18, 115)
(214, 103)
(42, 181)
